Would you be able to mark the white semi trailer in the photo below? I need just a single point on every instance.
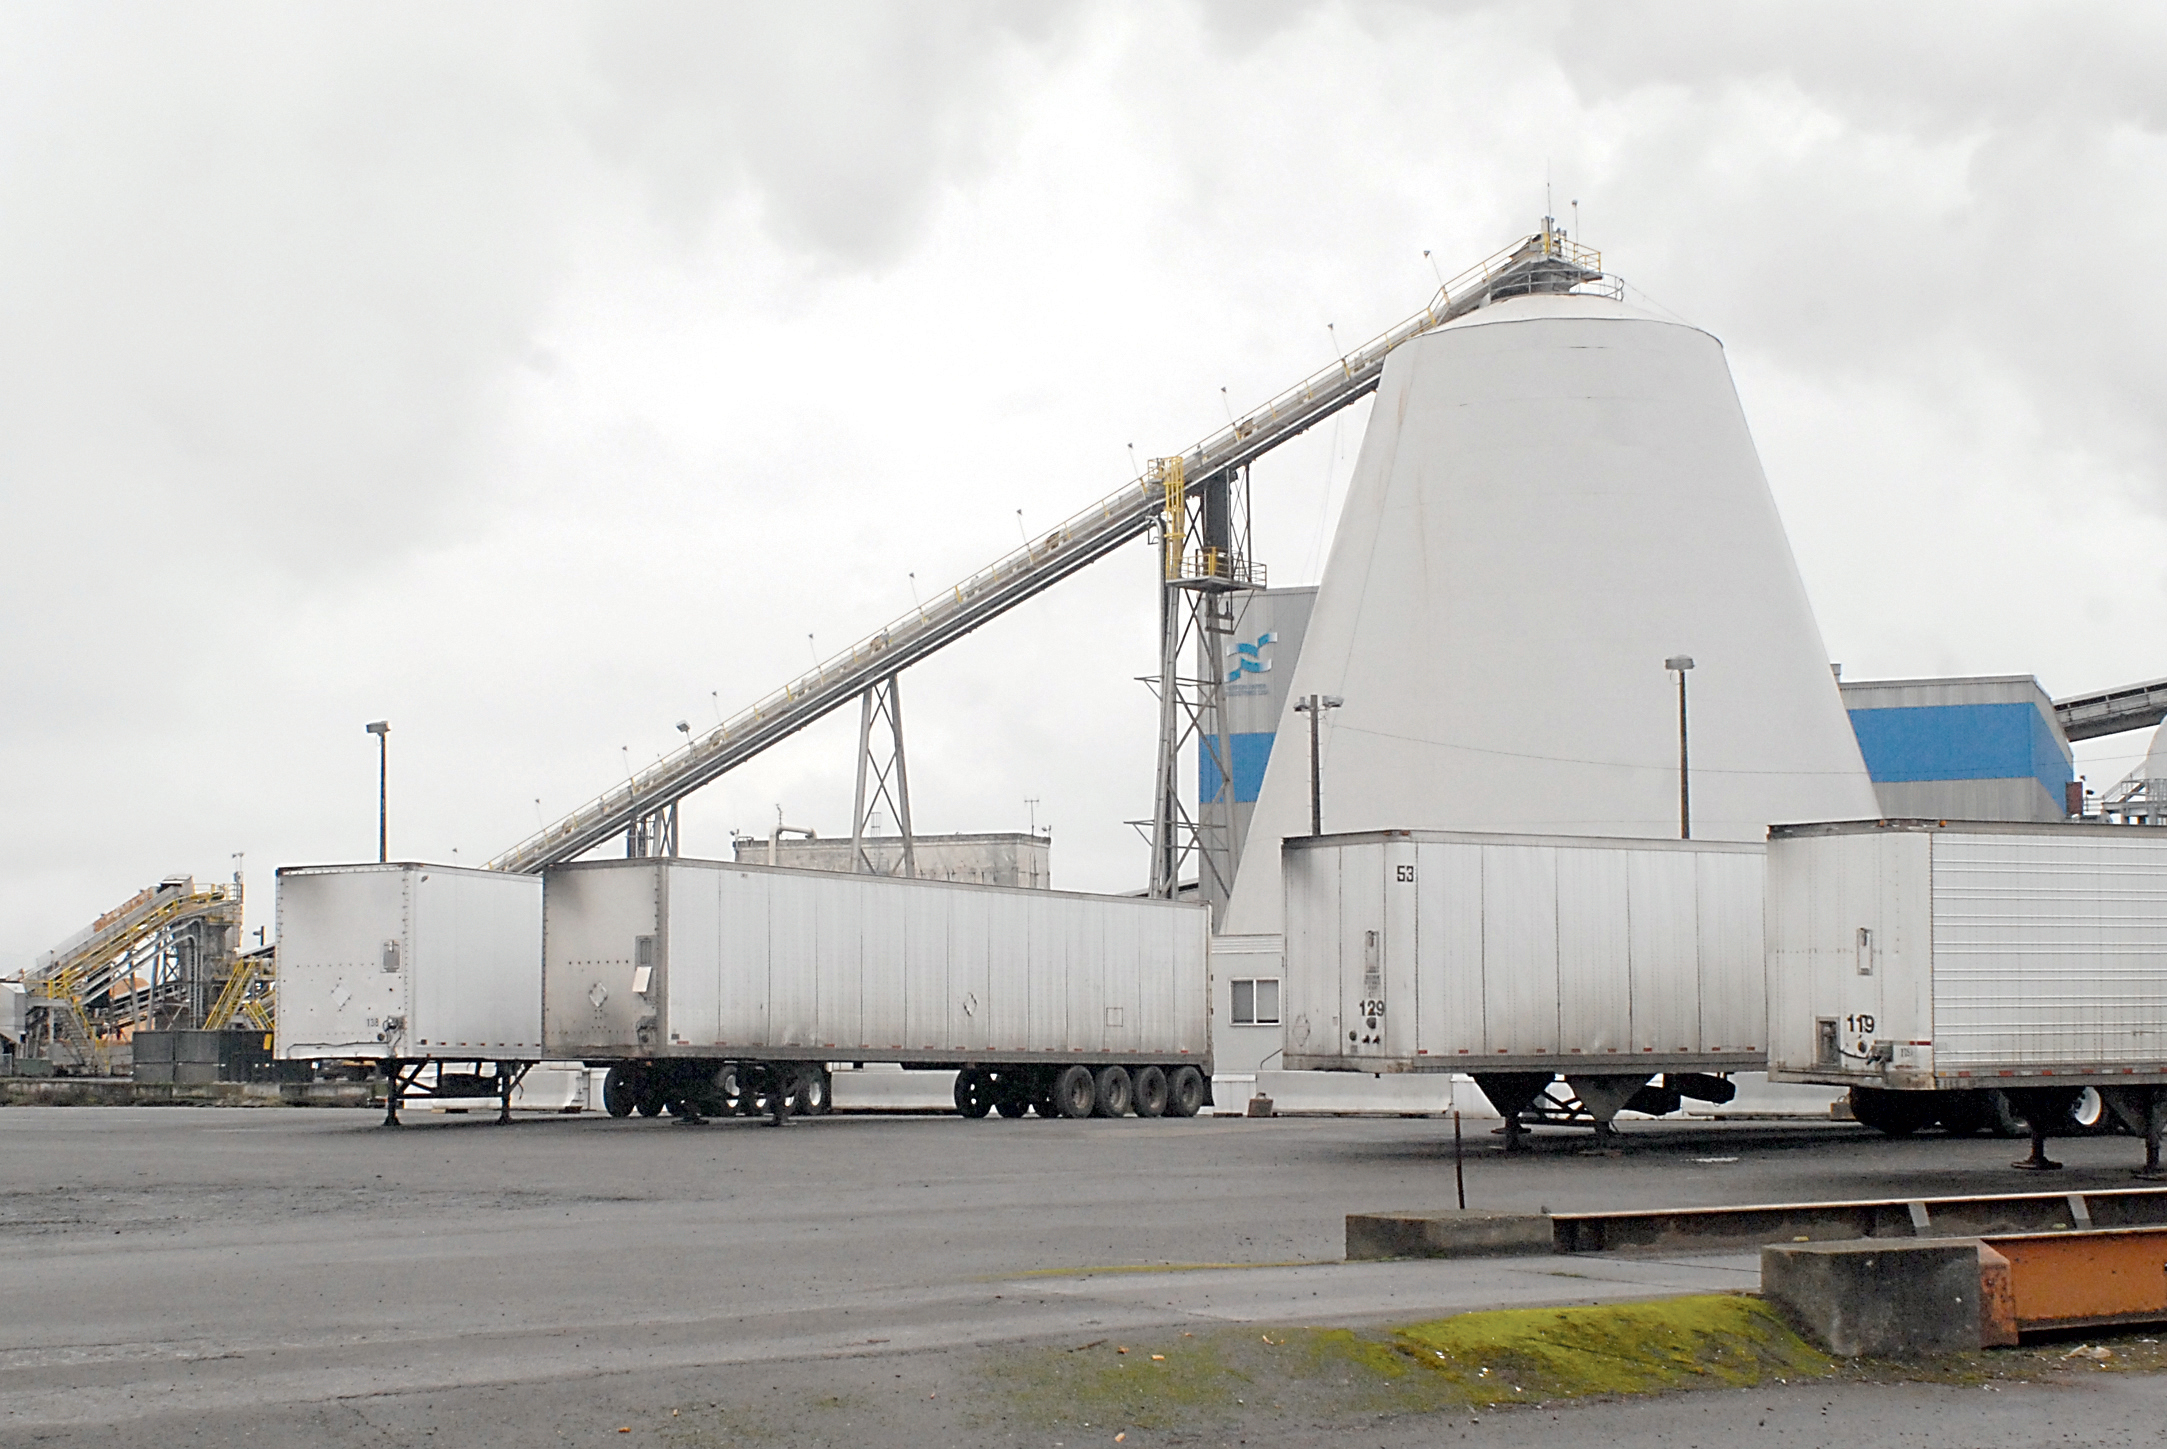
(709, 986)
(1519, 959)
(431, 970)
(1940, 968)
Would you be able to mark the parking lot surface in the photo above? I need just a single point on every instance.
(176, 1274)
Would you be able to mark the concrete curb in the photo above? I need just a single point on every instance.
(123, 1092)
(1447, 1234)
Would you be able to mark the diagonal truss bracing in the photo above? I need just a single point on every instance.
(1031, 570)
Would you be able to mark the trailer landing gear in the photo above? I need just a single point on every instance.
(2043, 1109)
(1512, 1093)
(396, 1091)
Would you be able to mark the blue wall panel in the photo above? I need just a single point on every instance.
(1252, 752)
(1961, 742)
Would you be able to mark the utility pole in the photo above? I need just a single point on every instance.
(1679, 664)
(382, 730)
(1314, 705)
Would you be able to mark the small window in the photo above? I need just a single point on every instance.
(1256, 1002)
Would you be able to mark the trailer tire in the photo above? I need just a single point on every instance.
(1075, 1092)
(1113, 1092)
(1184, 1092)
(620, 1092)
(1893, 1114)
(812, 1095)
(650, 1104)
(974, 1093)
(1962, 1114)
(1147, 1088)
(1011, 1092)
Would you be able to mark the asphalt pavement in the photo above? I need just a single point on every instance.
(176, 1275)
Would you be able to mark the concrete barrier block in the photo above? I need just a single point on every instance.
(1447, 1233)
(1997, 1301)
(1878, 1297)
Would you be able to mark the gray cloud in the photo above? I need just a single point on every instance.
(841, 122)
(526, 374)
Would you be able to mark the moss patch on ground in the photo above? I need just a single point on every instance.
(1529, 1355)
(1473, 1360)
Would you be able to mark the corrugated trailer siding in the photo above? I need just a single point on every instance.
(744, 933)
(1594, 967)
(692, 951)
(1402, 951)
(1732, 988)
(859, 966)
(1362, 944)
(793, 926)
(1608, 951)
(1312, 996)
(2048, 951)
(1519, 950)
(1665, 888)
(928, 968)
(1187, 1028)
(1448, 885)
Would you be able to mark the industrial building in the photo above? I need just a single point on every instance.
(1013, 858)
(1559, 602)
(1988, 748)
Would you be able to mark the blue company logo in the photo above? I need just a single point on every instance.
(1249, 658)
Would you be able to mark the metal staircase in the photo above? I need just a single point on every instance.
(1546, 261)
(247, 995)
(148, 961)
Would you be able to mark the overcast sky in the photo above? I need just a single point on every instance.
(538, 376)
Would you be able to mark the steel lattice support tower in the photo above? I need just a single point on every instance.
(881, 778)
(1196, 618)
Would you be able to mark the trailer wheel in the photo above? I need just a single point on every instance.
(1076, 1092)
(1113, 1093)
(1184, 1092)
(1147, 1085)
(1893, 1114)
(974, 1093)
(1011, 1091)
(650, 1104)
(620, 1092)
(812, 1094)
(1962, 1114)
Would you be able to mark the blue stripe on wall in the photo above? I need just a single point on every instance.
(1252, 752)
(1961, 742)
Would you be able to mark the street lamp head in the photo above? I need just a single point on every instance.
(1332, 701)
(684, 727)
(379, 727)
(1679, 662)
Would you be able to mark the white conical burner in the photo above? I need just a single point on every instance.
(1556, 494)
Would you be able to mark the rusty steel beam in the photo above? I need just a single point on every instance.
(2078, 1279)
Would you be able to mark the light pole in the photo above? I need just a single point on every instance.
(1678, 664)
(1315, 705)
(382, 730)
